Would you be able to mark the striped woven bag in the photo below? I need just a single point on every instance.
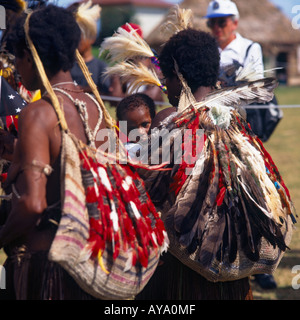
(109, 237)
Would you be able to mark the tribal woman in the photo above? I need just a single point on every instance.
(35, 171)
(218, 208)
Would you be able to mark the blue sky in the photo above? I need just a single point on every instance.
(285, 5)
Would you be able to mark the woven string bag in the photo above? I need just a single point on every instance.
(109, 237)
(112, 264)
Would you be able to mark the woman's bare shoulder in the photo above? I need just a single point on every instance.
(40, 113)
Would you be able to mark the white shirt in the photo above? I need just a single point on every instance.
(236, 50)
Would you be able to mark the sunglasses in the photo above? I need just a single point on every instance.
(221, 22)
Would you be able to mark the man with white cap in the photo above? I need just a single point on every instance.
(237, 51)
(223, 17)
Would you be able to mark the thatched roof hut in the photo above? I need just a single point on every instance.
(260, 21)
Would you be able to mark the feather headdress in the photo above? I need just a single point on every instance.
(87, 16)
(178, 19)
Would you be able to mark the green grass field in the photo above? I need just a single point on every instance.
(284, 147)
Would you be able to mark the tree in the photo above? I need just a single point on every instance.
(112, 18)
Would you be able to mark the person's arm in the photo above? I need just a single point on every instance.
(29, 198)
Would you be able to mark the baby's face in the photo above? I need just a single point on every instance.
(139, 119)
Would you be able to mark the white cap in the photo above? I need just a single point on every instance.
(221, 8)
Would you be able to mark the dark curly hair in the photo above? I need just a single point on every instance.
(197, 55)
(134, 101)
(55, 34)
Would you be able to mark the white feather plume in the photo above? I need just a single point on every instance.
(178, 19)
(249, 73)
(254, 158)
(134, 75)
(86, 16)
(220, 116)
(254, 91)
(124, 45)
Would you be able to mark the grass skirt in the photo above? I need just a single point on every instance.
(31, 276)
(175, 281)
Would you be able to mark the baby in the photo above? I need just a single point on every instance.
(135, 114)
